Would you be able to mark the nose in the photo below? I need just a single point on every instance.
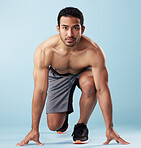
(70, 33)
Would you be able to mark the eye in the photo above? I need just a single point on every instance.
(65, 28)
(76, 28)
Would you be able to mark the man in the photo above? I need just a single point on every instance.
(62, 62)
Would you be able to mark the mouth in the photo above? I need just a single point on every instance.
(70, 39)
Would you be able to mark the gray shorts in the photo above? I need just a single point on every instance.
(60, 91)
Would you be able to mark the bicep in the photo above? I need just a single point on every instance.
(41, 78)
(98, 62)
(41, 69)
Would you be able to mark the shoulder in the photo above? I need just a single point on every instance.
(50, 42)
(95, 54)
(44, 52)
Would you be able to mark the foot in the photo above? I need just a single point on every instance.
(64, 128)
(80, 134)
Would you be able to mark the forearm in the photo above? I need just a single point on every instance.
(105, 103)
(38, 103)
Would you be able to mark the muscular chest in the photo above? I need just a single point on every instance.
(69, 62)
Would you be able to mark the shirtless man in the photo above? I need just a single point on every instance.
(62, 62)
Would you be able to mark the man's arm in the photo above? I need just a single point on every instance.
(39, 95)
(40, 74)
(100, 75)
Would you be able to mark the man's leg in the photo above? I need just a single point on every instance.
(87, 103)
(88, 98)
(55, 120)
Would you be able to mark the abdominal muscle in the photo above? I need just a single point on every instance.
(67, 70)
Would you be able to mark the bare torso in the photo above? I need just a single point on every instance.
(67, 61)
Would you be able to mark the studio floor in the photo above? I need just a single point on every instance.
(10, 136)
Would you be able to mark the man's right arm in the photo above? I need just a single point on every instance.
(40, 73)
(39, 95)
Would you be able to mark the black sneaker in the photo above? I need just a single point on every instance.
(80, 134)
(65, 127)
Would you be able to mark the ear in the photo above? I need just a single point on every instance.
(58, 29)
(83, 28)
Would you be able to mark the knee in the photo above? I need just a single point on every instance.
(55, 121)
(87, 85)
(54, 126)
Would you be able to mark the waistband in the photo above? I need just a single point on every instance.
(67, 74)
(54, 71)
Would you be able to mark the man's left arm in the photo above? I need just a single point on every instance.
(100, 75)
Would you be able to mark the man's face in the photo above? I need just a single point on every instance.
(70, 30)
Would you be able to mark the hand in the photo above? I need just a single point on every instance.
(31, 136)
(112, 135)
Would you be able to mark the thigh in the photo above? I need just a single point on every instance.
(60, 89)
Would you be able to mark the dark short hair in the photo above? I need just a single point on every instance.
(72, 12)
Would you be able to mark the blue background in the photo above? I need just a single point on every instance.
(114, 24)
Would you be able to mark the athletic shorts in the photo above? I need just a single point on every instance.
(60, 91)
